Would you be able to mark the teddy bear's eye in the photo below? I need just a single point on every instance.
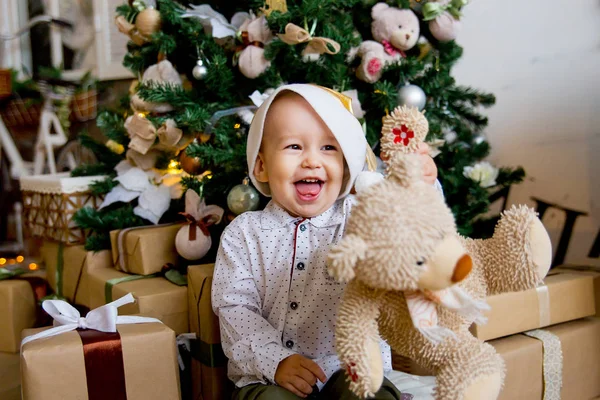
(420, 262)
(400, 26)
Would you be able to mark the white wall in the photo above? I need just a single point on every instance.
(541, 58)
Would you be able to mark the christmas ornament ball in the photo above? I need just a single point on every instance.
(191, 165)
(199, 70)
(192, 249)
(242, 198)
(412, 96)
(148, 21)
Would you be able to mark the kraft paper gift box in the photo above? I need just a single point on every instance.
(82, 365)
(144, 250)
(209, 364)
(18, 307)
(524, 358)
(68, 269)
(565, 296)
(10, 376)
(593, 271)
(155, 296)
(579, 377)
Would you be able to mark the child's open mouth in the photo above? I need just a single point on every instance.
(309, 189)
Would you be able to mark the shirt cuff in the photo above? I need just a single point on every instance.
(329, 365)
(268, 358)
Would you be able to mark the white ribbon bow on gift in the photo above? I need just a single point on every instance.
(104, 318)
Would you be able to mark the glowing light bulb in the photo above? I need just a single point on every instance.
(2, 261)
(33, 266)
(20, 259)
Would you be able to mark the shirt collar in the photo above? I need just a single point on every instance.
(274, 216)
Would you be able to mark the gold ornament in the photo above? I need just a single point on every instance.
(203, 137)
(148, 22)
(115, 147)
(274, 5)
(191, 165)
(402, 131)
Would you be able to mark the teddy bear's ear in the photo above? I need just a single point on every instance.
(343, 257)
(378, 9)
(404, 169)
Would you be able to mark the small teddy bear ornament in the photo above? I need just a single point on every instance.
(193, 241)
(395, 31)
(413, 280)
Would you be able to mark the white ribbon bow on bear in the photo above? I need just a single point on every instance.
(104, 318)
(422, 307)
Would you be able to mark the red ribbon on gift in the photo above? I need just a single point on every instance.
(104, 367)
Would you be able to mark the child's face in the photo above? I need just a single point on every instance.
(299, 158)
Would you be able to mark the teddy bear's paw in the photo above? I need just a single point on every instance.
(485, 387)
(541, 247)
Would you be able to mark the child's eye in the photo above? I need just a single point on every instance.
(329, 147)
(293, 147)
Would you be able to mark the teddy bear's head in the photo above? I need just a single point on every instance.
(401, 235)
(399, 27)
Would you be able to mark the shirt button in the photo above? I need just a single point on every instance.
(289, 344)
(300, 266)
(293, 305)
(302, 228)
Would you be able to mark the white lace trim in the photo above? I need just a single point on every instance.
(58, 183)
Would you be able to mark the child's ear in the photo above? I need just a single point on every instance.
(260, 169)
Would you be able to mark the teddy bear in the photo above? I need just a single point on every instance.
(415, 282)
(395, 31)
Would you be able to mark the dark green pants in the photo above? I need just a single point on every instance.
(336, 388)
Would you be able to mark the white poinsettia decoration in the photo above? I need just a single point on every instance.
(153, 190)
(482, 172)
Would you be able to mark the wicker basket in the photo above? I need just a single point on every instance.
(20, 112)
(50, 202)
(85, 105)
(5, 83)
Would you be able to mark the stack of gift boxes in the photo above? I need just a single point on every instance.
(63, 366)
(549, 337)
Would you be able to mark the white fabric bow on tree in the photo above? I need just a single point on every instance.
(104, 318)
(213, 22)
(154, 191)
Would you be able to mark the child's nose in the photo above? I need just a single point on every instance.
(311, 161)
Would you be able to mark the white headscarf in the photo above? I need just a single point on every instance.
(342, 123)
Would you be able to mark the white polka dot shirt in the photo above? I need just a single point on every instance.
(273, 295)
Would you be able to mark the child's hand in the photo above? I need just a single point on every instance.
(429, 168)
(298, 374)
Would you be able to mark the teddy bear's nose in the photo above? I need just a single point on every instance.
(462, 269)
(407, 36)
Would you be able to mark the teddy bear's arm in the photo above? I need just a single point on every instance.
(357, 339)
(518, 255)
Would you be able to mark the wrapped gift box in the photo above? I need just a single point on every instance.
(51, 201)
(10, 376)
(523, 355)
(18, 309)
(209, 364)
(564, 297)
(593, 271)
(144, 250)
(155, 296)
(69, 268)
(524, 359)
(54, 368)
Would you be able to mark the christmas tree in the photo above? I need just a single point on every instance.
(203, 68)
